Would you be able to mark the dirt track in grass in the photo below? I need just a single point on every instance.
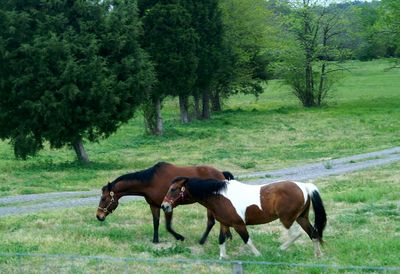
(22, 204)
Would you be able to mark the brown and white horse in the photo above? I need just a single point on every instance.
(236, 205)
(153, 184)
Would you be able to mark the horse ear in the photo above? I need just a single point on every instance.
(180, 178)
(109, 186)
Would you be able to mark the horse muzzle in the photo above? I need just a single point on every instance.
(167, 207)
(101, 218)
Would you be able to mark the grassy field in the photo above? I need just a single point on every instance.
(275, 131)
(363, 229)
(362, 115)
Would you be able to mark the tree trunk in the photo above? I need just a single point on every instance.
(184, 108)
(216, 101)
(321, 88)
(206, 105)
(152, 117)
(197, 112)
(80, 151)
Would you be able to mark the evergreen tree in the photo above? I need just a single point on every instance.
(207, 22)
(70, 70)
(171, 42)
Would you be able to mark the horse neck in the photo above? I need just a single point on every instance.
(132, 187)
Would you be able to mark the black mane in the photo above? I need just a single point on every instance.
(203, 188)
(143, 176)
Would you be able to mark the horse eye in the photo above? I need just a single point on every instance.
(173, 189)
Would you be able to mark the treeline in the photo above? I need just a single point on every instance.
(74, 70)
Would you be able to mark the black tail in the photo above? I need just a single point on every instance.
(319, 212)
(228, 175)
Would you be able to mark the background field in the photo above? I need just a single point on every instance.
(363, 115)
(275, 131)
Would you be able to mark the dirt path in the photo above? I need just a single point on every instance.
(37, 202)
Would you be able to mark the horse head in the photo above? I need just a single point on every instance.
(108, 202)
(176, 194)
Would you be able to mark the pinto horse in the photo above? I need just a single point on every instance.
(236, 205)
(153, 184)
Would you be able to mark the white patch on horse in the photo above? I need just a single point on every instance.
(303, 188)
(242, 196)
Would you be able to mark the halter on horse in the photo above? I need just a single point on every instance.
(236, 205)
(153, 184)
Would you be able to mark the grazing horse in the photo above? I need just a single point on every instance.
(236, 205)
(153, 184)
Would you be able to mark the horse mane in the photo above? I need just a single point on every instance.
(204, 188)
(143, 176)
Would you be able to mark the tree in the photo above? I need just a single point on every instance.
(207, 22)
(305, 64)
(70, 70)
(247, 40)
(390, 21)
(171, 42)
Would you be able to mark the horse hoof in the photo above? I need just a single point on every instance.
(224, 257)
(180, 238)
(202, 241)
(155, 241)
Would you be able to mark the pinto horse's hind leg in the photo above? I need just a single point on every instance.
(168, 221)
(242, 231)
(311, 232)
(293, 233)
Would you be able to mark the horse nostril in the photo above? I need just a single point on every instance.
(102, 218)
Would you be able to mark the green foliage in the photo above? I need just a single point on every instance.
(171, 42)
(246, 40)
(69, 70)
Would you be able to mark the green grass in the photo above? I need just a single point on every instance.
(363, 232)
(275, 131)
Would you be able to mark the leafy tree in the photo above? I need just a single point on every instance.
(304, 62)
(390, 22)
(247, 40)
(70, 70)
(207, 22)
(171, 42)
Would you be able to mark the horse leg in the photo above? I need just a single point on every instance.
(210, 224)
(293, 233)
(311, 232)
(155, 211)
(221, 240)
(168, 221)
(242, 231)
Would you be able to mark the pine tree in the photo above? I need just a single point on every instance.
(171, 43)
(70, 70)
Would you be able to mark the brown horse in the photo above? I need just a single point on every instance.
(236, 205)
(153, 184)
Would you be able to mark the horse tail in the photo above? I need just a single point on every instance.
(319, 209)
(228, 175)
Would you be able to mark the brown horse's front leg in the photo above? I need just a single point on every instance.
(168, 221)
(156, 222)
